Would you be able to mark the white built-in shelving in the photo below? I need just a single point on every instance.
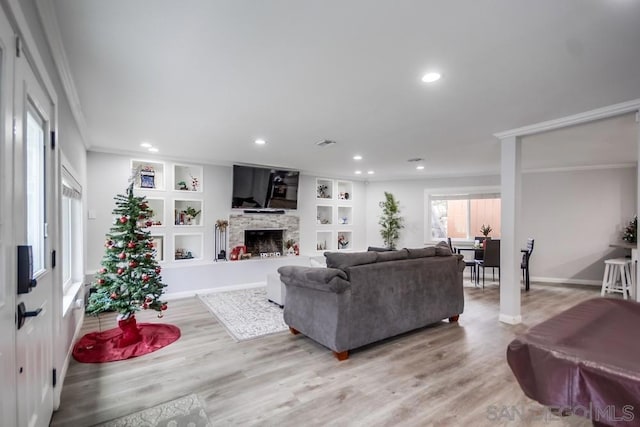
(334, 214)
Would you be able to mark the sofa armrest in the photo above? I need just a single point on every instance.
(321, 279)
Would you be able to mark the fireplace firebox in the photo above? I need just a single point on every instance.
(264, 243)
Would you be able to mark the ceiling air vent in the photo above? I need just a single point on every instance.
(325, 143)
(415, 159)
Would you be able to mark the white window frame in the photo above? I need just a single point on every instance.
(436, 193)
(72, 194)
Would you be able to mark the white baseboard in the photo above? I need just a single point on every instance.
(565, 280)
(511, 320)
(193, 293)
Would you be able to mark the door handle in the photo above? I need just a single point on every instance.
(22, 314)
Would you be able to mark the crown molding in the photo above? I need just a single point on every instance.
(54, 39)
(576, 119)
(17, 17)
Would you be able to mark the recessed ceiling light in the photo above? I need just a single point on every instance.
(431, 77)
(153, 149)
(420, 167)
(370, 172)
(145, 145)
(357, 157)
(260, 141)
(358, 172)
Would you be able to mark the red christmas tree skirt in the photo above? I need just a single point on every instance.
(99, 347)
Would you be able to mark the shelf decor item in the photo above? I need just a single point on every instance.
(147, 177)
(323, 192)
(182, 185)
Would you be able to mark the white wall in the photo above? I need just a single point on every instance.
(574, 216)
(108, 174)
(411, 195)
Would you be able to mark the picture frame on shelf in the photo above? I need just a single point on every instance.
(147, 179)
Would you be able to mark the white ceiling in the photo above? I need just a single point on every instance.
(201, 79)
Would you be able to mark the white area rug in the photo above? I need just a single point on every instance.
(246, 313)
(187, 411)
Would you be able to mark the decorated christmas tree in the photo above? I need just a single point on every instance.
(129, 279)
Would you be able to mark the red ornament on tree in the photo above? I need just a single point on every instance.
(145, 305)
(149, 223)
(164, 307)
(123, 220)
(122, 255)
(148, 256)
(150, 245)
(131, 245)
(114, 296)
(145, 278)
(158, 270)
(144, 206)
(103, 270)
(133, 264)
(120, 270)
(101, 281)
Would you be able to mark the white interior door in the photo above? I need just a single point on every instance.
(35, 219)
(8, 371)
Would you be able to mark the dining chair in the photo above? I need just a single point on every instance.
(467, 262)
(524, 264)
(491, 259)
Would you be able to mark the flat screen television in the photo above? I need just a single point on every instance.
(257, 187)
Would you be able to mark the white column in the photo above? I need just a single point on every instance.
(634, 253)
(510, 257)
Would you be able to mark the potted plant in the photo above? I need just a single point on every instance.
(630, 232)
(182, 185)
(390, 220)
(191, 213)
(485, 230)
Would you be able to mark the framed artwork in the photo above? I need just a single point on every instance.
(147, 179)
(158, 247)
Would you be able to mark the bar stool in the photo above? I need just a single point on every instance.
(617, 276)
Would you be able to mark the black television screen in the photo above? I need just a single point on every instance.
(264, 188)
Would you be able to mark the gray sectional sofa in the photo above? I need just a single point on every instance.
(364, 297)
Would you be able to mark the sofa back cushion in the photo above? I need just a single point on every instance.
(377, 249)
(344, 260)
(421, 252)
(393, 255)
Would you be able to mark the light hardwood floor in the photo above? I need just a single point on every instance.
(443, 375)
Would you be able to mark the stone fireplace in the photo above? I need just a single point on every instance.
(266, 233)
(264, 243)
